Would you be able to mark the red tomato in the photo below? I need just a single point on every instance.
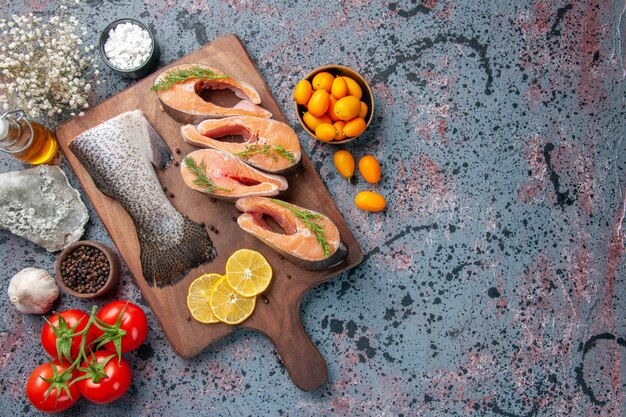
(59, 337)
(108, 379)
(61, 396)
(134, 325)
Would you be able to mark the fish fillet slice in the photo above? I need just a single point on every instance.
(236, 178)
(298, 243)
(119, 155)
(280, 139)
(184, 104)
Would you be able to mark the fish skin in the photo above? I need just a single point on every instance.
(295, 232)
(119, 154)
(183, 103)
(256, 131)
(222, 167)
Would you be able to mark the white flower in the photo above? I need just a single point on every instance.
(44, 66)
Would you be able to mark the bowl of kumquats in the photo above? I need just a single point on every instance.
(334, 104)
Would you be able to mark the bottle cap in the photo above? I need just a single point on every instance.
(4, 128)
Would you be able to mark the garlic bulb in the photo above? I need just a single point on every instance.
(32, 291)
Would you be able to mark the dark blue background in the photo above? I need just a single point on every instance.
(493, 284)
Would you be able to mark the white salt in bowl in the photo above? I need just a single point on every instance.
(143, 69)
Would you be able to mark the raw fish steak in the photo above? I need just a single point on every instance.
(183, 101)
(223, 176)
(269, 145)
(308, 239)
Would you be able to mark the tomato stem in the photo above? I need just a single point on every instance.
(94, 370)
(58, 381)
(61, 381)
(65, 335)
(111, 333)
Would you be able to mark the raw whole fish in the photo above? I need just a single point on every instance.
(182, 100)
(118, 155)
(270, 145)
(221, 175)
(312, 246)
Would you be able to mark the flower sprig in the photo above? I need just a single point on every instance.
(45, 68)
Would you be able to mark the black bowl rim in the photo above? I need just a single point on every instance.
(370, 111)
(104, 35)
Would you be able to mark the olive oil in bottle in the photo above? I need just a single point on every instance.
(25, 139)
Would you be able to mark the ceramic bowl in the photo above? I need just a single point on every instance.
(114, 269)
(367, 98)
(134, 73)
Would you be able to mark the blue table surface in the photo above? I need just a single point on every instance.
(494, 282)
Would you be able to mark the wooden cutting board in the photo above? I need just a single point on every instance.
(277, 313)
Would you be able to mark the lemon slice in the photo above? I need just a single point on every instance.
(248, 272)
(228, 305)
(198, 298)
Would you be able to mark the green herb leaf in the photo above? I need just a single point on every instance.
(284, 153)
(307, 218)
(256, 149)
(268, 150)
(201, 179)
(181, 75)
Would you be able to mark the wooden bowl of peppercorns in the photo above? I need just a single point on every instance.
(87, 269)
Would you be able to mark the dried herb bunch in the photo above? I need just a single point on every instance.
(45, 68)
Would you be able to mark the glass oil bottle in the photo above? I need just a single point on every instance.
(26, 139)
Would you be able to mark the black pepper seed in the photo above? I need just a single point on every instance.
(175, 163)
(212, 200)
(203, 224)
(177, 150)
(288, 276)
(171, 194)
(266, 300)
(164, 188)
(85, 270)
(188, 318)
(280, 256)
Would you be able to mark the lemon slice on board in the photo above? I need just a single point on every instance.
(228, 305)
(248, 272)
(198, 298)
